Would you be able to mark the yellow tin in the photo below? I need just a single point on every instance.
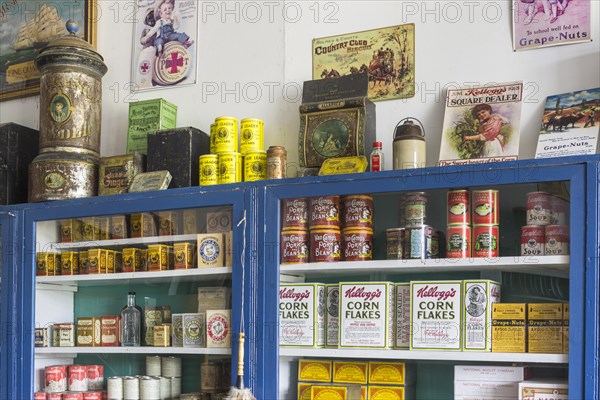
(97, 261)
(213, 136)
(132, 260)
(162, 335)
(70, 230)
(255, 165)
(69, 261)
(114, 261)
(226, 135)
(209, 169)
(46, 264)
(251, 135)
(160, 257)
(84, 262)
(87, 228)
(184, 255)
(230, 167)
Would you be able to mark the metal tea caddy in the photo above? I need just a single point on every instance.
(409, 144)
(71, 74)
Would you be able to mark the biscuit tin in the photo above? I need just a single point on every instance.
(545, 328)
(478, 298)
(402, 316)
(211, 250)
(110, 330)
(149, 181)
(194, 330)
(302, 315)
(344, 165)
(218, 328)
(314, 370)
(332, 314)
(509, 330)
(117, 172)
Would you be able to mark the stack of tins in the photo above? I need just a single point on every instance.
(73, 382)
(486, 220)
(225, 164)
(458, 229)
(547, 230)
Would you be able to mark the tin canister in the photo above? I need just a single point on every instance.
(324, 212)
(150, 387)
(295, 213)
(458, 207)
(230, 167)
(63, 175)
(92, 395)
(539, 208)
(213, 137)
(251, 135)
(294, 246)
(210, 374)
(458, 241)
(486, 241)
(226, 135)
(358, 211)
(131, 387)
(114, 387)
(560, 211)
(54, 396)
(557, 240)
(153, 366)
(415, 209)
(95, 375)
(357, 244)
(39, 396)
(419, 243)
(532, 240)
(209, 169)
(56, 378)
(72, 396)
(486, 207)
(77, 378)
(325, 245)
(171, 366)
(255, 165)
(395, 243)
(276, 162)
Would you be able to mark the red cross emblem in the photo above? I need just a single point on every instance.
(174, 62)
(144, 67)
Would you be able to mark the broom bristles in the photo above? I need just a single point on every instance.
(240, 394)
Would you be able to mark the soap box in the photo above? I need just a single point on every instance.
(302, 315)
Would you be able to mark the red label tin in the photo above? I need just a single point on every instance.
(324, 212)
(39, 396)
(55, 396)
(532, 240)
(72, 396)
(458, 207)
(295, 213)
(95, 373)
(539, 208)
(560, 211)
(485, 241)
(486, 207)
(56, 378)
(294, 246)
(92, 396)
(557, 240)
(458, 241)
(77, 378)
(358, 211)
(325, 245)
(358, 244)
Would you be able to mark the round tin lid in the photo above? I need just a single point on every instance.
(71, 39)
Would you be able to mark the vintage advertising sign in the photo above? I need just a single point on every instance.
(571, 124)
(550, 23)
(164, 47)
(387, 55)
(481, 124)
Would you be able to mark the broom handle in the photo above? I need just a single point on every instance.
(240, 377)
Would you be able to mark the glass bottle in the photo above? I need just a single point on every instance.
(376, 160)
(131, 323)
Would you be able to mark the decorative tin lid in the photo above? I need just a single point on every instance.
(71, 39)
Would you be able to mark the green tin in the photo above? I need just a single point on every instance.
(146, 116)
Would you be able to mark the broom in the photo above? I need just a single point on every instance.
(240, 392)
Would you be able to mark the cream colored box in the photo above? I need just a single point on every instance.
(218, 328)
(302, 315)
(332, 313)
(177, 330)
(211, 249)
(228, 248)
(486, 389)
(543, 390)
(435, 315)
(88, 331)
(350, 372)
(478, 297)
(545, 328)
(367, 314)
(314, 371)
(214, 298)
(218, 222)
(402, 316)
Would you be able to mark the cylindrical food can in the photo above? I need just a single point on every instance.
(294, 246)
(560, 211)
(230, 167)
(415, 209)
(213, 137)
(458, 207)
(532, 240)
(226, 135)
(72, 396)
(95, 375)
(165, 388)
(175, 387)
(153, 366)
(325, 245)
(358, 244)
(54, 396)
(486, 241)
(255, 165)
(150, 388)
(56, 378)
(557, 240)
(92, 396)
(77, 378)
(324, 212)
(39, 396)
(539, 208)
(395, 243)
(171, 367)
(458, 241)
(209, 169)
(419, 243)
(252, 135)
(210, 373)
(114, 388)
(276, 162)
(295, 213)
(486, 207)
(358, 211)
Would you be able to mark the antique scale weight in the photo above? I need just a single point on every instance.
(70, 117)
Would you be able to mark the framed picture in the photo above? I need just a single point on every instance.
(26, 27)
(164, 46)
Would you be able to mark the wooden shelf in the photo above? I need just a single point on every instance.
(72, 352)
(120, 242)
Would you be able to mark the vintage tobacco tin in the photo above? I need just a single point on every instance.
(148, 181)
(251, 135)
(184, 255)
(226, 135)
(343, 165)
(146, 116)
(209, 169)
(116, 173)
(70, 230)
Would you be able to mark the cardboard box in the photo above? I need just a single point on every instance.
(367, 314)
(387, 393)
(332, 309)
(118, 227)
(228, 236)
(177, 330)
(350, 372)
(47, 264)
(146, 116)
(194, 330)
(302, 315)
(315, 371)
(162, 335)
(114, 261)
(218, 328)
(185, 255)
(97, 261)
(319, 392)
(70, 230)
(509, 331)
(87, 228)
(84, 262)
(132, 260)
(219, 221)
(160, 257)
(190, 221)
(101, 228)
(387, 373)
(211, 249)
(154, 316)
(110, 328)
(168, 223)
(496, 373)
(88, 331)
(213, 298)
(478, 297)
(543, 390)
(545, 328)
(142, 225)
(402, 316)
(486, 389)
(66, 335)
(304, 391)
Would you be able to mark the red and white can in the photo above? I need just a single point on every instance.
(55, 396)
(325, 245)
(295, 213)
(486, 207)
(358, 211)
(532, 240)
(92, 396)
(77, 378)
(294, 246)
(56, 378)
(458, 207)
(458, 241)
(358, 244)
(39, 396)
(486, 241)
(539, 208)
(95, 375)
(324, 212)
(72, 396)
(557, 240)
(560, 211)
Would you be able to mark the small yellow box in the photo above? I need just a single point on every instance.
(168, 223)
(314, 371)
(304, 391)
(69, 261)
(70, 230)
(185, 253)
(87, 228)
(101, 228)
(509, 331)
(386, 393)
(114, 261)
(84, 262)
(566, 328)
(350, 372)
(88, 331)
(47, 264)
(387, 373)
(132, 260)
(545, 328)
(97, 261)
(318, 392)
(142, 225)
(162, 335)
(160, 257)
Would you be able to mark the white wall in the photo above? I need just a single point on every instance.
(252, 65)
